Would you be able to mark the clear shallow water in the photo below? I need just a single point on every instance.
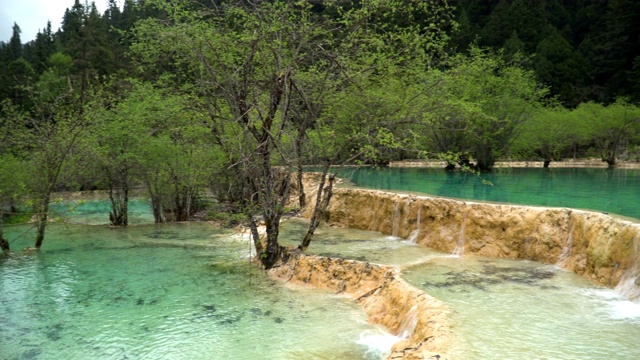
(175, 291)
(185, 291)
(356, 244)
(610, 190)
(502, 309)
(95, 211)
(514, 309)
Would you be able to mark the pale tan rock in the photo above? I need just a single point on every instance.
(596, 245)
(385, 297)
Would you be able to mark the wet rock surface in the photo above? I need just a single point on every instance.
(598, 246)
(386, 299)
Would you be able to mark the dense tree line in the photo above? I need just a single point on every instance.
(584, 50)
(236, 97)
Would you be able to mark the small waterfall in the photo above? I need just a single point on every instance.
(568, 246)
(413, 237)
(409, 323)
(629, 284)
(459, 250)
(397, 219)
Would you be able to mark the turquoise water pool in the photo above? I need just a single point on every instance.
(615, 191)
(170, 291)
(95, 211)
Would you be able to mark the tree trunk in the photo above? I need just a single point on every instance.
(43, 216)
(119, 215)
(302, 197)
(485, 159)
(322, 203)
(298, 143)
(271, 198)
(4, 244)
(182, 204)
(611, 161)
(156, 200)
(156, 209)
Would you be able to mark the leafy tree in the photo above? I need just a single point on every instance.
(44, 136)
(610, 128)
(116, 144)
(12, 178)
(252, 65)
(617, 48)
(480, 105)
(559, 66)
(44, 48)
(20, 75)
(85, 39)
(178, 158)
(550, 133)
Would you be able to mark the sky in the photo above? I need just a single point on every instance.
(32, 15)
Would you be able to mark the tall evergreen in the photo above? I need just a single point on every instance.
(44, 48)
(15, 45)
(585, 49)
(85, 39)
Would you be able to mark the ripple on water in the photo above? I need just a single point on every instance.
(124, 298)
(514, 309)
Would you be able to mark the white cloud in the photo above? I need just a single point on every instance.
(32, 15)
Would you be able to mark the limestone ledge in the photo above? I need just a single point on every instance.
(596, 245)
(385, 297)
(564, 163)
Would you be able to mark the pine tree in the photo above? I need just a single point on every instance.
(44, 48)
(15, 45)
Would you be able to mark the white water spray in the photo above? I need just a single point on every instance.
(568, 246)
(408, 324)
(629, 285)
(413, 237)
(397, 218)
(459, 250)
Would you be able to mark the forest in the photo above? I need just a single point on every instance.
(235, 98)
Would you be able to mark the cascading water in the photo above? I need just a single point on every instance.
(629, 284)
(413, 237)
(566, 251)
(459, 250)
(408, 324)
(397, 219)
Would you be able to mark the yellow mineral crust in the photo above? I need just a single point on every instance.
(385, 297)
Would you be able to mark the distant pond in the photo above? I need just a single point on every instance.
(614, 191)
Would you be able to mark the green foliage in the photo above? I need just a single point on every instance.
(550, 134)
(479, 105)
(611, 128)
(584, 50)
